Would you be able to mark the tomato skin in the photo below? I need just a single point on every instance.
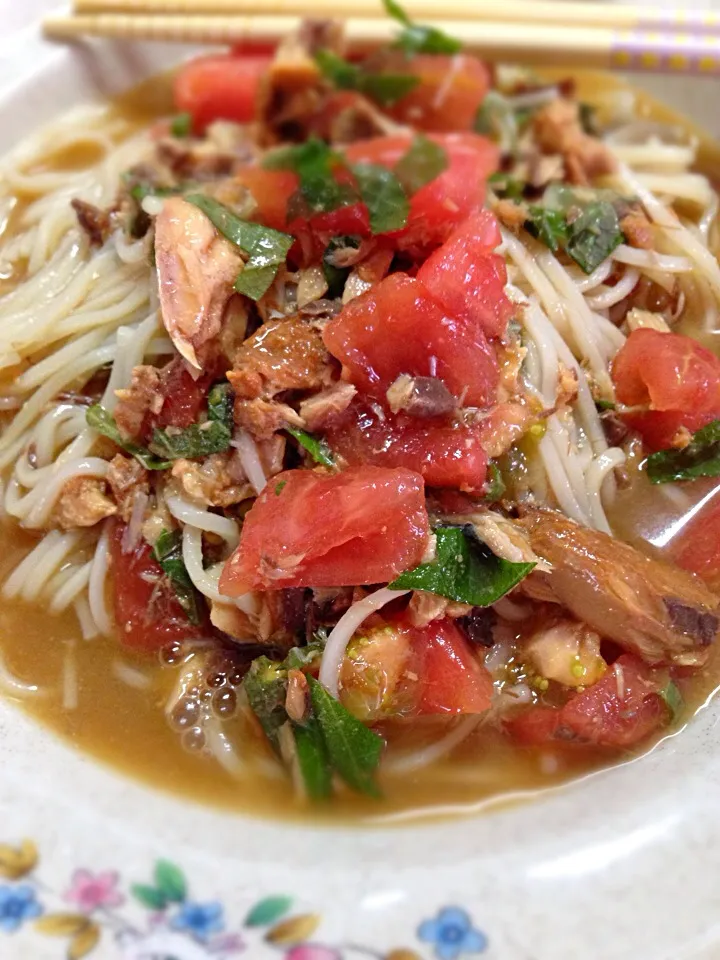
(467, 279)
(220, 87)
(271, 190)
(699, 547)
(444, 454)
(620, 710)
(452, 679)
(658, 428)
(667, 371)
(448, 200)
(312, 528)
(447, 98)
(147, 616)
(396, 328)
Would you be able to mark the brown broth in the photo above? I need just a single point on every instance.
(125, 727)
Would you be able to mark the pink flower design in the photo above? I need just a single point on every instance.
(312, 951)
(90, 891)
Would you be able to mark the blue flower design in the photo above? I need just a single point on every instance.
(452, 934)
(199, 919)
(17, 904)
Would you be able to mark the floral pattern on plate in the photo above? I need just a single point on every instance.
(175, 926)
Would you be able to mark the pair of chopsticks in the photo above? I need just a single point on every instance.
(536, 32)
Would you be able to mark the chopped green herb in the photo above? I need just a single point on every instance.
(385, 88)
(549, 226)
(417, 38)
(496, 119)
(279, 487)
(266, 248)
(313, 760)
(315, 164)
(264, 684)
(506, 187)
(593, 236)
(353, 749)
(494, 485)
(141, 190)
(103, 421)
(300, 658)
(605, 405)
(197, 440)
(168, 553)
(317, 448)
(700, 458)
(383, 194)
(464, 570)
(673, 700)
(334, 274)
(181, 125)
(220, 405)
(423, 162)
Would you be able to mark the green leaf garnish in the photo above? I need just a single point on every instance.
(264, 684)
(383, 194)
(313, 760)
(424, 161)
(700, 458)
(385, 88)
(190, 443)
(181, 125)
(464, 570)
(673, 700)
(549, 226)
(603, 405)
(168, 553)
(103, 421)
(506, 187)
(594, 235)
(417, 38)
(352, 748)
(220, 405)
(316, 447)
(494, 485)
(265, 248)
(315, 163)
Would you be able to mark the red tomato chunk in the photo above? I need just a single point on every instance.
(220, 87)
(310, 528)
(446, 455)
(396, 328)
(452, 678)
(147, 613)
(467, 279)
(448, 200)
(448, 95)
(674, 376)
(620, 710)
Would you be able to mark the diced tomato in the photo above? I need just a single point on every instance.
(534, 726)
(448, 200)
(699, 546)
(620, 710)
(311, 528)
(397, 328)
(446, 455)
(671, 374)
(451, 677)
(183, 400)
(220, 87)
(147, 612)
(658, 428)
(271, 190)
(449, 93)
(467, 279)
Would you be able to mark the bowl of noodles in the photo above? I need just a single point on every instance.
(359, 456)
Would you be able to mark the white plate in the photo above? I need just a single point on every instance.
(621, 866)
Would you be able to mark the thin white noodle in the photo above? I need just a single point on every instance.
(70, 687)
(651, 260)
(343, 631)
(189, 513)
(131, 676)
(250, 460)
(98, 577)
(10, 686)
(612, 295)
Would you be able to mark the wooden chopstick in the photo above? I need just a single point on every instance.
(542, 45)
(512, 11)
